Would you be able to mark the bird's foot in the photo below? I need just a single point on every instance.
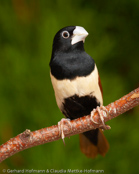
(100, 109)
(61, 127)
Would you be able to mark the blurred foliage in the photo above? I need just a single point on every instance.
(27, 28)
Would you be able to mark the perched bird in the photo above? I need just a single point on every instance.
(77, 85)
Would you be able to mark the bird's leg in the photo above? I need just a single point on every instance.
(61, 127)
(105, 113)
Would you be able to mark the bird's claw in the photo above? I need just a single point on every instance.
(105, 113)
(61, 127)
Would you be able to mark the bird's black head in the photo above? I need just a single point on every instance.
(69, 38)
(69, 58)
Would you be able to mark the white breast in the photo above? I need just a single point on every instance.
(81, 86)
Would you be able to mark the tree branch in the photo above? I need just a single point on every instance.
(29, 139)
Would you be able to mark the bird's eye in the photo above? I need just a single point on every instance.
(65, 34)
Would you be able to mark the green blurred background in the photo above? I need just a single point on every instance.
(27, 99)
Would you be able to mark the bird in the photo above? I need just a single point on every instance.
(77, 86)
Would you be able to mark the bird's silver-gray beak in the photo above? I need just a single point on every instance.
(79, 34)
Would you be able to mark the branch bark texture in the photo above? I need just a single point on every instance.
(29, 139)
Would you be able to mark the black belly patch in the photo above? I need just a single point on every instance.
(75, 106)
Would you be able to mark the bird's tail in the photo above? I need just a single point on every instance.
(93, 142)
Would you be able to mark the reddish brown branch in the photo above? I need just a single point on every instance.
(29, 139)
